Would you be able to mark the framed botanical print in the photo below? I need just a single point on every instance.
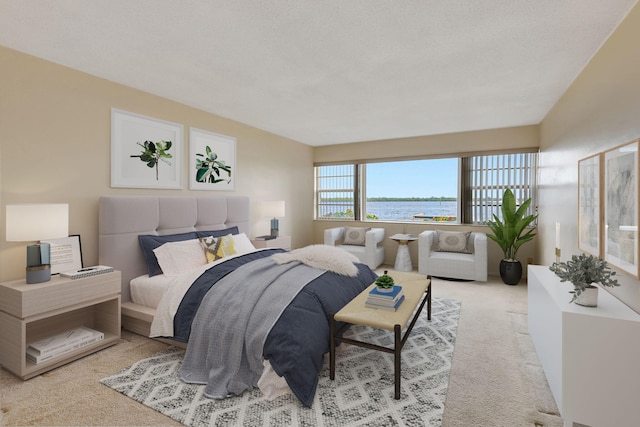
(589, 206)
(212, 161)
(145, 152)
(621, 207)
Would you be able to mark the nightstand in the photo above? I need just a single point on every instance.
(283, 242)
(36, 311)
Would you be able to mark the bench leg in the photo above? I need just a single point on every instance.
(429, 300)
(397, 359)
(332, 347)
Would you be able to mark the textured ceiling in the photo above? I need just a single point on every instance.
(332, 71)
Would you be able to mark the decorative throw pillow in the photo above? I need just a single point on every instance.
(216, 248)
(177, 257)
(218, 233)
(453, 241)
(355, 236)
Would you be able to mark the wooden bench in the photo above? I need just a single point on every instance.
(417, 293)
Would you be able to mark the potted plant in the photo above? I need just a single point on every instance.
(384, 283)
(583, 270)
(510, 233)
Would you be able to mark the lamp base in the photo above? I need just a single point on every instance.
(38, 273)
(274, 227)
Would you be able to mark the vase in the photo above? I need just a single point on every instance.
(588, 297)
(510, 271)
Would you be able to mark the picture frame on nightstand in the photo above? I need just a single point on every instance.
(66, 254)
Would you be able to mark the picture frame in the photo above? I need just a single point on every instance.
(589, 205)
(66, 254)
(145, 152)
(621, 207)
(212, 161)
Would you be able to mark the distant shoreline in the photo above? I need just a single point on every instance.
(393, 199)
(411, 199)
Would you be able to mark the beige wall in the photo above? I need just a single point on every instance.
(600, 110)
(435, 145)
(55, 147)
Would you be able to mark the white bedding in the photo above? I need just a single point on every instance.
(148, 291)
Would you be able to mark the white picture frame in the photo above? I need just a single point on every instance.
(212, 161)
(621, 212)
(130, 133)
(66, 254)
(589, 204)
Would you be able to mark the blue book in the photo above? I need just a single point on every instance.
(389, 295)
(385, 307)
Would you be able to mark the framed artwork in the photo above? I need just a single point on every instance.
(212, 161)
(66, 254)
(621, 207)
(145, 152)
(589, 206)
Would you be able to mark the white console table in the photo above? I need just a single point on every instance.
(590, 355)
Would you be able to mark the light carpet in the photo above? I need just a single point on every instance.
(362, 393)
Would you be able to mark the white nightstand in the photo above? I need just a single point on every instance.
(36, 311)
(283, 242)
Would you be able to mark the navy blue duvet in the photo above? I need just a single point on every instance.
(298, 341)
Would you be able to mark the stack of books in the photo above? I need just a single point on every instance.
(63, 343)
(385, 300)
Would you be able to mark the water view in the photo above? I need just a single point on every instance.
(407, 210)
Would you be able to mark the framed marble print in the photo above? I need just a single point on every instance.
(589, 206)
(621, 207)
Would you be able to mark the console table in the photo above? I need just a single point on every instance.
(590, 355)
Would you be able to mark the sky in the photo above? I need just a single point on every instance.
(415, 178)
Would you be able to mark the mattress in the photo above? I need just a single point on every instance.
(148, 291)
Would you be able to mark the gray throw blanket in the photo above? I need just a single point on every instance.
(233, 321)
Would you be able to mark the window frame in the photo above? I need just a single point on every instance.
(465, 184)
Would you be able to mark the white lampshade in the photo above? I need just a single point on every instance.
(273, 209)
(34, 222)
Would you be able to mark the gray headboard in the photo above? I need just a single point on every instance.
(122, 218)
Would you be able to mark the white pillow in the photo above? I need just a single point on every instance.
(242, 244)
(175, 258)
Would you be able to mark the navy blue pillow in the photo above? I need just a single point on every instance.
(149, 242)
(218, 233)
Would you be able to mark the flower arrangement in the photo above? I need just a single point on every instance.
(583, 270)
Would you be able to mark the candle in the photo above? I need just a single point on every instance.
(557, 235)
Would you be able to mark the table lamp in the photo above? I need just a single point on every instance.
(37, 222)
(274, 209)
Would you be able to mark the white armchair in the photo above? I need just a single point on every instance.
(455, 265)
(371, 253)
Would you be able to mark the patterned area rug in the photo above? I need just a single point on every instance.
(362, 393)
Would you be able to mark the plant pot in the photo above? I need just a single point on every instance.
(588, 297)
(384, 290)
(510, 271)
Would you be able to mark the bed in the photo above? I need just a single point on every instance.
(249, 317)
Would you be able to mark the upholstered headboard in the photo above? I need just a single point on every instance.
(123, 218)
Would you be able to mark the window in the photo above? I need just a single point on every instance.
(336, 191)
(412, 190)
(489, 176)
(464, 190)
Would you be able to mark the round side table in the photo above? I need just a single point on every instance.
(403, 257)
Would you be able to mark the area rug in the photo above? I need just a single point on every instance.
(362, 393)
